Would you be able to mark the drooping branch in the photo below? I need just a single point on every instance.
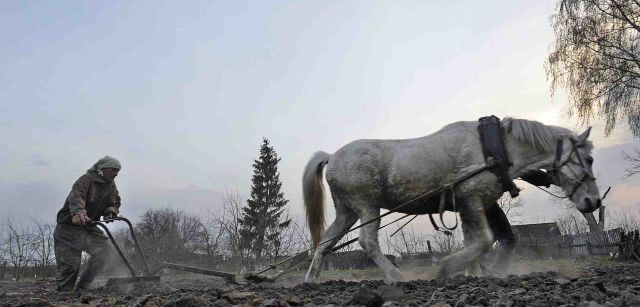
(634, 160)
(596, 56)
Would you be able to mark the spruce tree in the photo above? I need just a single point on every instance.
(261, 221)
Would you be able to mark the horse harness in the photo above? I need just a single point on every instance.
(492, 139)
(558, 164)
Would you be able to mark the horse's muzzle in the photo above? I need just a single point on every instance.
(589, 205)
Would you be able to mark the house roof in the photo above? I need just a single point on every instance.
(536, 230)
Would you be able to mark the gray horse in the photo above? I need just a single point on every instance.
(368, 175)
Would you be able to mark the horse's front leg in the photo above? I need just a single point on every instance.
(477, 240)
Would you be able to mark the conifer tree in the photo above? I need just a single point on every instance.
(262, 222)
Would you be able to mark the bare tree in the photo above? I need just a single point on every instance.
(625, 218)
(448, 243)
(292, 239)
(572, 223)
(19, 249)
(194, 234)
(300, 237)
(408, 241)
(596, 56)
(171, 235)
(511, 206)
(634, 160)
(230, 225)
(4, 251)
(212, 234)
(42, 246)
(3, 244)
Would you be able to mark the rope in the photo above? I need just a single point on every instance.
(273, 266)
(554, 195)
(405, 224)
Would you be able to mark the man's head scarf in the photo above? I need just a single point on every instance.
(106, 162)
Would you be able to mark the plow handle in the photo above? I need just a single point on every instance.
(135, 241)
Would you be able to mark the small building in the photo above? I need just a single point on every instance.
(421, 259)
(538, 240)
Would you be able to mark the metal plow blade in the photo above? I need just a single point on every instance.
(230, 277)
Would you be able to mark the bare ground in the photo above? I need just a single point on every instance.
(542, 283)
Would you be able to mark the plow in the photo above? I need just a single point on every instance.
(150, 274)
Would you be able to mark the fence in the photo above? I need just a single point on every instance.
(630, 245)
(626, 245)
(596, 243)
(8, 272)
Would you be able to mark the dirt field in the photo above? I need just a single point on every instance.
(543, 283)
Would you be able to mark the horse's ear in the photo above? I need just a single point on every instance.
(583, 137)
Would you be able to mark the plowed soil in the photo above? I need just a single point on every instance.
(591, 284)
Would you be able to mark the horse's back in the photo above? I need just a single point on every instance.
(398, 169)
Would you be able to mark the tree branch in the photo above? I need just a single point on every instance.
(625, 17)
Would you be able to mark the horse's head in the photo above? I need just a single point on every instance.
(572, 171)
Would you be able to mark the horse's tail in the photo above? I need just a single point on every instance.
(313, 192)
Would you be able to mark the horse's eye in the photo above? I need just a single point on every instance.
(590, 160)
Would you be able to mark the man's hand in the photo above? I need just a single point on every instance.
(80, 219)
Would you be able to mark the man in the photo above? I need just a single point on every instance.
(93, 195)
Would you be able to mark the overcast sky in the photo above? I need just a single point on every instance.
(183, 92)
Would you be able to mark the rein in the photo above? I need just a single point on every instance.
(563, 197)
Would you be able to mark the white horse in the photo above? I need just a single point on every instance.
(367, 175)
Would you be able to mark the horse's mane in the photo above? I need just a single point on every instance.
(542, 137)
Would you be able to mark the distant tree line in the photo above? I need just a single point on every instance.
(26, 250)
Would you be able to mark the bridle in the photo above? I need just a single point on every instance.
(558, 164)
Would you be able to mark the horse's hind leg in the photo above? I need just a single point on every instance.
(477, 240)
(369, 242)
(345, 218)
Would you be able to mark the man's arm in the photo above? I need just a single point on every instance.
(113, 210)
(78, 195)
(77, 200)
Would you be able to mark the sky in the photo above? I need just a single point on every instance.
(182, 93)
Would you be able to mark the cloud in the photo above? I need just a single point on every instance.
(40, 162)
(625, 196)
(23, 200)
(191, 199)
